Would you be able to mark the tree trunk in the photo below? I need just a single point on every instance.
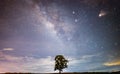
(59, 71)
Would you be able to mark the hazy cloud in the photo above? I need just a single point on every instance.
(8, 49)
(25, 64)
(45, 65)
(10, 58)
(31, 64)
(112, 63)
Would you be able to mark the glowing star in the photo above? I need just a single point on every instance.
(73, 12)
(102, 13)
(76, 20)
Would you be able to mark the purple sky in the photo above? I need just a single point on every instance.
(33, 32)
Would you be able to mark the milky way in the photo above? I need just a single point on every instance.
(33, 32)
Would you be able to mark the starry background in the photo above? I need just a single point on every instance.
(33, 32)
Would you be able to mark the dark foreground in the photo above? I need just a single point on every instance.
(72, 73)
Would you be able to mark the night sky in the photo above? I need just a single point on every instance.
(33, 32)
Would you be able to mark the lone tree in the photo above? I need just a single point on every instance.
(60, 63)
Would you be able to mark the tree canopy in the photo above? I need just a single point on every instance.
(60, 63)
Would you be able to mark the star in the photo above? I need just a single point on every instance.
(76, 20)
(102, 13)
(73, 12)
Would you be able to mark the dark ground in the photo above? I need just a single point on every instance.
(72, 73)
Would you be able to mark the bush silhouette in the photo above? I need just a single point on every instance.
(60, 63)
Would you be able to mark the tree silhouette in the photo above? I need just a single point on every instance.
(60, 63)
